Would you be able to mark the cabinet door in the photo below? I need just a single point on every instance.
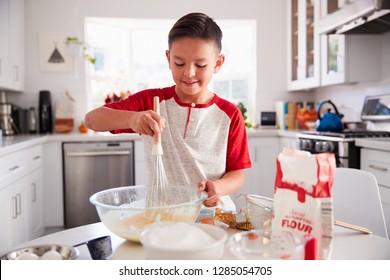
(16, 8)
(303, 51)
(36, 219)
(4, 45)
(385, 198)
(14, 201)
(288, 142)
(260, 178)
(140, 169)
(343, 58)
(7, 216)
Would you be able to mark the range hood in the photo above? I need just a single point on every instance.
(358, 17)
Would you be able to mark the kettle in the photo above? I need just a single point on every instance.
(329, 121)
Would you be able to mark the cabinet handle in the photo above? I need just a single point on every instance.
(16, 73)
(34, 192)
(255, 154)
(18, 204)
(101, 153)
(14, 211)
(36, 157)
(13, 168)
(380, 168)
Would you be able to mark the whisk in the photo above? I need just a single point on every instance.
(157, 190)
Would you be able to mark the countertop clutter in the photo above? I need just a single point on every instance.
(370, 247)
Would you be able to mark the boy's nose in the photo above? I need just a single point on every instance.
(189, 71)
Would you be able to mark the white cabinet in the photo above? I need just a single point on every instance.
(316, 60)
(260, 178)
(350, 59)
(13, 216)
(140, 168)
(21, 196)
(53, 184)
(378, 163)
(12, 44)
(288, 142)
(4, 45)
(303, 49)
(36, 204)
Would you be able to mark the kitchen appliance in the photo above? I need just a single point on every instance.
(92, 167)
(45, 112)
(268, 119)
(342, 144)
(329, 121)
(357, 17)
(32, 120)
(19, 116)
(7, 124)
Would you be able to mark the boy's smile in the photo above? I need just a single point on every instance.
(193, 63)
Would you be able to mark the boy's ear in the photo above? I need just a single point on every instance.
(219, 63)
(168, 58)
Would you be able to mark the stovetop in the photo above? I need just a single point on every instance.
(350, 134)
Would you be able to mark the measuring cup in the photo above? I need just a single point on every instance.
(99, 248)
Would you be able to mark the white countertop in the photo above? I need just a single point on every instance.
(347, 244)
(382, 144)
(15, 143)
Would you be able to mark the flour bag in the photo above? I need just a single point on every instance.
(303, 201)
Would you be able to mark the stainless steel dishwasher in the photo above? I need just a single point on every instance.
(90, 167)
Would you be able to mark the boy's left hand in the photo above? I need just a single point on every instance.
(213, 191)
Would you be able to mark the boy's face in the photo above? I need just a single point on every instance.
(193, 63)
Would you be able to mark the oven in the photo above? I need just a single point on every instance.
(376, 116)
(342, 144)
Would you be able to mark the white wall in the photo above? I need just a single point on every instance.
(67, 17)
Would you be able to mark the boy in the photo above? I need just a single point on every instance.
(203, 136)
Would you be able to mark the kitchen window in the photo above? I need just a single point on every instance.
(130, 56)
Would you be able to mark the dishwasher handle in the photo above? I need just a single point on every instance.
(98, 153)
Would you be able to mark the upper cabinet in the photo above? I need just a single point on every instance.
(318, 59)
(303, 50)
(12, 45)
(347, 59)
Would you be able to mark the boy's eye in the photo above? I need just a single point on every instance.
(179, 64)
(201, 66)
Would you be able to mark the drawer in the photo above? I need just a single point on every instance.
(378, 163)
(12, 167)
(18, 164)
(35, 157)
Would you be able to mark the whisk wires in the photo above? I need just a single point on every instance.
(157, 189)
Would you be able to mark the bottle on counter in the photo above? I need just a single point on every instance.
(32, 121)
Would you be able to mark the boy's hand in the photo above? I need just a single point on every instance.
(213, 190)
(147, 122)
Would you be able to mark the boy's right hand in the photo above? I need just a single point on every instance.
(147, 122)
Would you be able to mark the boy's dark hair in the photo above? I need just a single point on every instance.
(196, 25)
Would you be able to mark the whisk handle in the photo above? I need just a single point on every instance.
(157, 149)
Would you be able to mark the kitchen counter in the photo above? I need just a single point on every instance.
(382, 144)
(14, 143)
(347, 244)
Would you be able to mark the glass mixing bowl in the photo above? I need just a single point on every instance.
(260, 211)
(263, 245)
(122, 210)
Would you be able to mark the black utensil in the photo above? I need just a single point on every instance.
(99, 248)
